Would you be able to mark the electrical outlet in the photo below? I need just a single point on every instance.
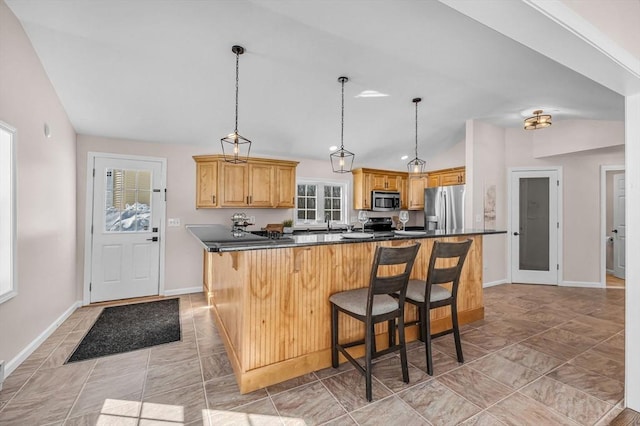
(173, 221)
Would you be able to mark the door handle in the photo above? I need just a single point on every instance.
(516, 233)
(615, 231)
(152, 239)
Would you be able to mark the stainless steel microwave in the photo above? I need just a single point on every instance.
(385, 201)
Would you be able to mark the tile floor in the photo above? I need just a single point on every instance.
(542, 356)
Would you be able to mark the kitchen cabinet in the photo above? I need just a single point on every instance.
(259, 183)
(367, 180)
(206, 184)
(445, 177)
(417, 183)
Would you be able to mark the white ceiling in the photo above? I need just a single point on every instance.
(163, 71)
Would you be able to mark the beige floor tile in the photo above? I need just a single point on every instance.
(576, 405)
(388, 411)
(474, 386)
(118, 388)
(530, 358)
(345, 420)
(171, 353)
(519, 410)
(580, 342)
(172, 376)
(446, 345)
(593, 361)
(612, 348)
(349, 389)
(330, 371)
(594, 384)
(182, 406)
(486, 341)
(120, 364)
(551, 347)
(482, 419)
(290, 384)
(505, 371)
(438, 404)
(389, 372)
(591, 327)
(442, 363)
(313, 403)
(608, 418)
(223, 394)
(216, 365)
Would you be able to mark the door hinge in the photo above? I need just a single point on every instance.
(91, 228)
(94, 172)
(558, 182)
(165, 195)
(558, 225)
(557, 266)
(90, 285)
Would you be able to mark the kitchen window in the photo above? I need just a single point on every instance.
(7, 212)
(318, 202)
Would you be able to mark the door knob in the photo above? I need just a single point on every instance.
(615, 231)
(516, 233)
(152, 239)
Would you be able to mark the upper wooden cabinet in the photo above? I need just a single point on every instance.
(259, 183)
(367, 180)
(444, 177)
(417, 183)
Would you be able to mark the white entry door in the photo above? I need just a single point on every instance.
(128, 212)
(534, 226)
(619, 228)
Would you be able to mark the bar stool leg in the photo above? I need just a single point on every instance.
(369, 342)
(334, 336)
(456, 331)
(426, 332)
(403, 350)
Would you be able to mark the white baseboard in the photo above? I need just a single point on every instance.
(494, 283)
(180, 291)
(24, 354)
(584, 284)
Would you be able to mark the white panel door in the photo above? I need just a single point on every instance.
(619, 228)
(534, 226)
(128, 206)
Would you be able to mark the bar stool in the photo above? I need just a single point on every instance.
(373, 305)
(430, 294)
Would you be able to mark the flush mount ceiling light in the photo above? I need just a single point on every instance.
(235, 147)
(342, 160)
(537, 121)
(416, 165)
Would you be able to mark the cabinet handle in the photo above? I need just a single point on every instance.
(213, 199)
(247, 199)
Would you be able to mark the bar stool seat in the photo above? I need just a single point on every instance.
(416, 291)
(373, 305)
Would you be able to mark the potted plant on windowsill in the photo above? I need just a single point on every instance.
(288, 226)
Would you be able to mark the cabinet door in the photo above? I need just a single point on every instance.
(378, 182)
(286, 186)
(452, 178)
(404, 193)
(394, 183)
(433, 180)
(417, 184)
(206, 184)
(261, 185)
(234, 185)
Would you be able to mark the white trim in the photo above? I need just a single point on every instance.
(558, 170)
(35, 343)
(495, 283)
(186, 290)
(13, 215)
(603, 220)
(88, 217)
(583, 284)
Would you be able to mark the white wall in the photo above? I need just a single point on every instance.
(46, 202)
(183, 269)
(580, 193)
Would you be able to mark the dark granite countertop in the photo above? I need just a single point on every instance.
(220, 238)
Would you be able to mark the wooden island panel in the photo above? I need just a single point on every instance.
(272, 305)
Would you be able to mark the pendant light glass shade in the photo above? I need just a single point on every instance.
(234, 146)
(416, 165)
(342, 160)
(537, 121)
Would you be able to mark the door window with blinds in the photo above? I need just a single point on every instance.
(127, 200)
(318, 202)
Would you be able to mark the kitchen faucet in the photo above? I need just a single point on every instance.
(327, 218)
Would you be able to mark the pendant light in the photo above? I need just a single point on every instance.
(537, 121)
(342, 160)
(235, 147)
(416, 165)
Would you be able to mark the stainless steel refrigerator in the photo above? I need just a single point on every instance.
(444, 208)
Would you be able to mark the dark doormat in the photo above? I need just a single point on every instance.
(129, 327)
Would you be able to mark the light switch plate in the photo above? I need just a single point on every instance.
(174, 221)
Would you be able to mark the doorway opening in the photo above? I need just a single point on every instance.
(613, 229)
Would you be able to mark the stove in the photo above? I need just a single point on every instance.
(378, 224)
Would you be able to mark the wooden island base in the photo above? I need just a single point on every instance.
(272, 305)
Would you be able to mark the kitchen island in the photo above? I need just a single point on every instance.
(270, 297)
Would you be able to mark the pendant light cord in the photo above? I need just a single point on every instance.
(416, 129)
(342, 122)
(237, 71)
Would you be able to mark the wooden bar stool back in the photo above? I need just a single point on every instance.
(375, 304)
(430, 294)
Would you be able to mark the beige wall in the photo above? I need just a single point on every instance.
(46, 202)
(183, 268)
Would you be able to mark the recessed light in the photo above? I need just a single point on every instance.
(404, 157)
(371, 94)
(332, 148)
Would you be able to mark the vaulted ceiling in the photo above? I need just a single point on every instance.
(163, 71)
